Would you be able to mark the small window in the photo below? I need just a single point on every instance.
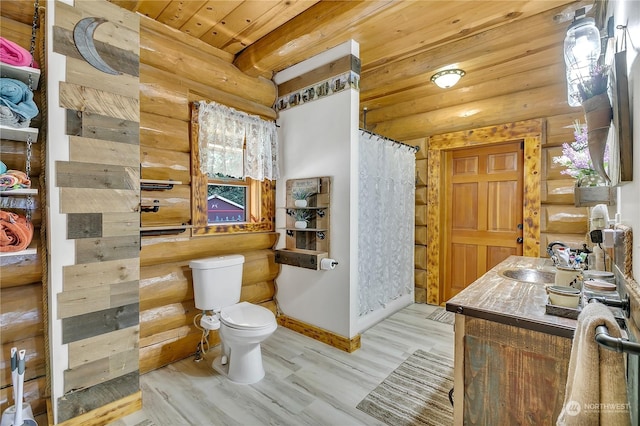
(223, 204)
(226, 203)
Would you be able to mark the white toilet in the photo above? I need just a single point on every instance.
(243, 326)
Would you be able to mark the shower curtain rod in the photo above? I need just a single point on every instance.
(415, 148)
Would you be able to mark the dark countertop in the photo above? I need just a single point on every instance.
(506, 301)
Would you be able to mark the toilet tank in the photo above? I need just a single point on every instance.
(217, 281)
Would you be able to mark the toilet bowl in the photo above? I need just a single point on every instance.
(242, 328)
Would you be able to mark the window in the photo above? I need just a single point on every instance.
(226, 201)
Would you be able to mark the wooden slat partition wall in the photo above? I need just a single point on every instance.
(100, 196)
(21, 288)
(560, 219)
(174, 70)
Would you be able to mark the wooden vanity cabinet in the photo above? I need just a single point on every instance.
(506, 375)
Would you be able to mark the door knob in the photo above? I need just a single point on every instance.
(519, 240)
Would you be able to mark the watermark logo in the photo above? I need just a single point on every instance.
(572, 408)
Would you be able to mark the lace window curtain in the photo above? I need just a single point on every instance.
(386, 213)
(222, 135)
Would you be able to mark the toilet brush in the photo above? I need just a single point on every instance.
(24, 415)
(19, 414)
(14, 371)
(18, 419)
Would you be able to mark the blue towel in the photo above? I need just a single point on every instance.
(17, 96)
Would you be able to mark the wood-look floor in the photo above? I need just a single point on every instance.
(306, 382)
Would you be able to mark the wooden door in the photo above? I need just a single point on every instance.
(482, 217)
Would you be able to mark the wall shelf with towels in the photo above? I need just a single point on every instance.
(28, 75)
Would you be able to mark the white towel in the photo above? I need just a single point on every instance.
(596, 392)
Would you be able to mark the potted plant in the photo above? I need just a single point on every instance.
(302, 218)
(590, 187)
(300, 196)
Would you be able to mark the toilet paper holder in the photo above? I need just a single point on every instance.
(328, 263)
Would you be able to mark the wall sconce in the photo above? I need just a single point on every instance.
(581, 53)
(447, 78)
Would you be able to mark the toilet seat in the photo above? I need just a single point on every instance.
(247, 316)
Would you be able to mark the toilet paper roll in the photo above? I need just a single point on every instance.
(328, 264)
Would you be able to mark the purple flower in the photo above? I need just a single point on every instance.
(575, 156)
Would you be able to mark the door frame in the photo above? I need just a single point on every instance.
(529, 131)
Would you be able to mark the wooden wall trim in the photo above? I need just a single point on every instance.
(532, 133)
(331, 69)
(106, 413)
(320, 334)
(531, 197)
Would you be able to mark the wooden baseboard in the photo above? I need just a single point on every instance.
(320, 334)
(105, 414)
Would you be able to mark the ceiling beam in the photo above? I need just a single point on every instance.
(305, 35)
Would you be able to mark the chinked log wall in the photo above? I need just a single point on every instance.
(175, 69)
(21, 288)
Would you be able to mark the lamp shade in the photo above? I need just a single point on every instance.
(581, 53)
(447, 78)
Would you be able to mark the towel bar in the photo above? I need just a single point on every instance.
(615, 343)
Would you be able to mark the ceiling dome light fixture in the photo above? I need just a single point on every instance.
(447, 78)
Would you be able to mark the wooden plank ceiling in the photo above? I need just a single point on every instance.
(505, 47)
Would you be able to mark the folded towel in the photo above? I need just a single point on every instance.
(14, 54)
(14, 179)
(596, 392)
(17, 96)
(16, 232)
(11, 119)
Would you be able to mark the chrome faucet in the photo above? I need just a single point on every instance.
(554, 256)
(552, 245)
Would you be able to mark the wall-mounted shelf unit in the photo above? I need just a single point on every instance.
(20, 198)
(24, 192)
(20, 134)
(25, 252)
(589, 196)
(306, 247)
(27, 75)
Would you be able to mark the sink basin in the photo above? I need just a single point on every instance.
(529, 275)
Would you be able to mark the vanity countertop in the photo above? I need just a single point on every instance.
(495, 298)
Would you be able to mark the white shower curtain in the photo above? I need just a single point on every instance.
(386, 205)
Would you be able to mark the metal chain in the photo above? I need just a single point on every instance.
(30, 208)
(27, 166)
(32, 51)
(34, 27)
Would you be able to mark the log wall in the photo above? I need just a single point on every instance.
(22, 295)
(174, 70)
(560, 219)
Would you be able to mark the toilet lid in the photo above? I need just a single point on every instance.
(247, 315)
